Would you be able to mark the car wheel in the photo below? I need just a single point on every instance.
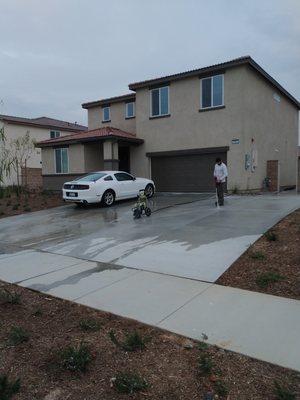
(108, 198)
(148, 211)
(149, 190)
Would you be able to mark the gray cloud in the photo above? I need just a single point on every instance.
(56, 54)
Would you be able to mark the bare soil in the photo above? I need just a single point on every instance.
(280, 257)
(13, 205)
(169, 363)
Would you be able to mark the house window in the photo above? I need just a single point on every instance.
(54, 134)
(105, 114)
(129, 110)
(212, 91)
(61, 161)
(159, 101)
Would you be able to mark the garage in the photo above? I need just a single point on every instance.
(185, 170)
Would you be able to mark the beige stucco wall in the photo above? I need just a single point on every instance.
(93, 156)
(250, 112)
(117, 116)
(76, 159)
(13, 132)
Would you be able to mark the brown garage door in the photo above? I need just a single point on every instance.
(186, 171)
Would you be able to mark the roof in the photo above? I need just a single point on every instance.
(43, 122)
(91, 136)
(117, 99)
(246, 60)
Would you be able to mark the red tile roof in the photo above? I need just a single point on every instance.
(44, 122)
(93, 135)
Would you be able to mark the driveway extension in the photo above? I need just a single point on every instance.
(142, 269)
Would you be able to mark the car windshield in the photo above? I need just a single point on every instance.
(91, 177)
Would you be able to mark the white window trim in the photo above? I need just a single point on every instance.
(61, 148)
(211, 106)
(159, 103)
(126, 110)
(106, 120)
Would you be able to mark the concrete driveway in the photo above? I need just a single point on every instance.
(186, 236)
(139, 269)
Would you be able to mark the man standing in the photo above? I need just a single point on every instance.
(220, 174)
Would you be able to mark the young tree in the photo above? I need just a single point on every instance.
(21, 150)
(5, 157)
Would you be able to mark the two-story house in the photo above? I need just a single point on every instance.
(41, 128)
(172, 128)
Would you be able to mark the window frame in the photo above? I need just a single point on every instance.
(56, 134)
(159, 102)
(126, 110)
(212, 92)
(109, 117)
(61, 164)
(124, 180)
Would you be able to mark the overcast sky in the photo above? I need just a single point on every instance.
(57, 54)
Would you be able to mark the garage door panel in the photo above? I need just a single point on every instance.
(186, 173)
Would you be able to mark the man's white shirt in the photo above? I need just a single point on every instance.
(221, 172)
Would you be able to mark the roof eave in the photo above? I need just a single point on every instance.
(13, 122)
(90, 139)
(117, 99)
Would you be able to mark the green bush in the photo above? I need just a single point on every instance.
(271, 236)
(126, 382)
(257, 255)
(9, 297)
(133, 341)
(283, 393)
(8, 388)
(205, 365)
(18, 335)
(221, 389)
(89, 324)
(265, 279)
(75, 358)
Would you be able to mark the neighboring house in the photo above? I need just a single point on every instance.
(172, 128)
(41, 128)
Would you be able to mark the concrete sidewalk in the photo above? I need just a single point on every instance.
(261, 326)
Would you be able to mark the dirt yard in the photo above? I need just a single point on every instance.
(11, 204)
(36, 331)
(272, 264)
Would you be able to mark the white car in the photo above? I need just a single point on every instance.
(106, 187)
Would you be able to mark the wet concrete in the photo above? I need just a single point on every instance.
(186, 235)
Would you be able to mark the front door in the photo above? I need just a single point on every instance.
(124, 158)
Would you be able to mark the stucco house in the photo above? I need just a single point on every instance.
(41, 128)
(172, 128)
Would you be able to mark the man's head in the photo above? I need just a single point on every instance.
(219, 160)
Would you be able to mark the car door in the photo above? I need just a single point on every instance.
(126, 184)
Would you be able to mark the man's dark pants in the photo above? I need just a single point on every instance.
(220, 193)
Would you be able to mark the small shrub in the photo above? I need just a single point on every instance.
(15, 206)
(133, 341)
(202, 346)
(2, 213)
(18, 335)
(9, 297)
(221, 389)
(257, 255)
(75, 358)
(129, 383)
(205, 365)
(265, 279)
(271, 236)
(282, 393)
(89, 325)
(38, 312)
(8, 388)
(27, 209)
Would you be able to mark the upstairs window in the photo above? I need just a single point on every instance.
(129, 110)
(54, 134)
(105, 114)
(159, 101)
(212, 91)
(61, 161)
